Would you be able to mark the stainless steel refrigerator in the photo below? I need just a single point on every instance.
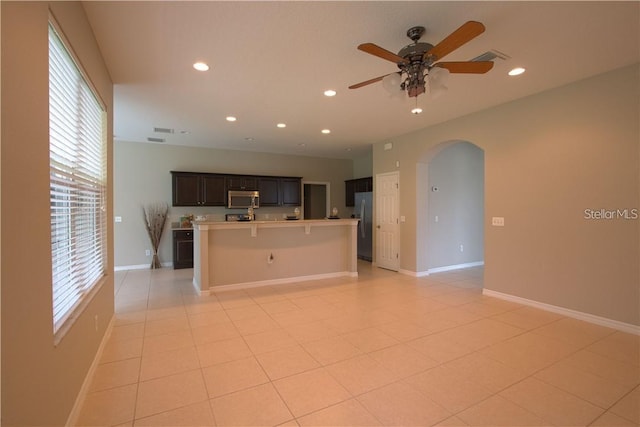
(364, 211)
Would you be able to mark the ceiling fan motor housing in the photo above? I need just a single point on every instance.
(415, 52)
(416, 67)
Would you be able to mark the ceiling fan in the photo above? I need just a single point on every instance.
(417, 60)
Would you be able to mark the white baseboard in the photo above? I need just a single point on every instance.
(442, 269)
(72, 420)
(139, 266)
(283, 281)
(602, 321)
(200, 292)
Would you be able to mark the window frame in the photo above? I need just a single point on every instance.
(85, 181)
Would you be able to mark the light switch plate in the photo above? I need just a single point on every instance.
(497, 221)
(118, 219)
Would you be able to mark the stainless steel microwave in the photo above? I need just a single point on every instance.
(243, 199)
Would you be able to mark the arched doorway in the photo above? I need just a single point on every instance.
(450, 208)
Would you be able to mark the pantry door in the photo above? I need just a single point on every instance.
(387, 221)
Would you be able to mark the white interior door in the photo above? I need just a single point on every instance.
(387, 224)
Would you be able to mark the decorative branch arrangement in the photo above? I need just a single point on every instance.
(155, 216)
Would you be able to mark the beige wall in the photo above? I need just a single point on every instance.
(142, 175)
(548, 157)
(235, 257)
(457, 172)
(40, 381)
(363, 166)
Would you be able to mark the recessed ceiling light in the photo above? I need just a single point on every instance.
(281, 125)
(326, 131)
(516, 71)
(185, 132)
(231, 119)
(249, 139)
(330, 92)
(201, 66)
(416, 110)
(302, 144)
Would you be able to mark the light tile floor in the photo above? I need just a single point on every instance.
(380, 349)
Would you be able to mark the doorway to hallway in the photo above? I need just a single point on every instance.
(315, 200)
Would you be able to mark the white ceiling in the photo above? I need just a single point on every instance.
(271, 61)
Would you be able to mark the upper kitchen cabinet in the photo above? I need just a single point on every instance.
(238, 182)
(280, 191)
(269, 191)
(196, 189)
(353, 186)
(291, 190)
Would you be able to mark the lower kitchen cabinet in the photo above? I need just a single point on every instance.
(182, 249)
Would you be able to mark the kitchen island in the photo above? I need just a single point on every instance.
(254, 253)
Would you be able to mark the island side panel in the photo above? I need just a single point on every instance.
(200, 254)
(235, 257)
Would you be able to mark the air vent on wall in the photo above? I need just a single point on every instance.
(490, 56)
(152, 139)
(163, 130)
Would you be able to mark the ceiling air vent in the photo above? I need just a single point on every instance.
(152, 139)
(491, 55)
(163, 130)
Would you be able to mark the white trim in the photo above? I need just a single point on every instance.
(139, 266)
(454, 267)
(442, 269)
(413, 273)
(72, 420)
(199, 291)
(602, 321)
(282, 281)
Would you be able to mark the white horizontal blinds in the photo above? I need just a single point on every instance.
(78, 185)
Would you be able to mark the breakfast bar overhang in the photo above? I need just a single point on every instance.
(254, 253)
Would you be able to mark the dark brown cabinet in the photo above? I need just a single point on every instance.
(210, 189)
(249, 183)
(280, 191)
(353, 186)
(182, 249)
(269, 191)
(195, 189)
(291, 190)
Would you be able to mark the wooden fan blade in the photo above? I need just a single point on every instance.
(462, 35)
(469, 67)
(368, 82)
(376, 50)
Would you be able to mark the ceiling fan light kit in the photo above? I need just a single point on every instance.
(418, 62)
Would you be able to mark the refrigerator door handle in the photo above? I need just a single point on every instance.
(362, 228)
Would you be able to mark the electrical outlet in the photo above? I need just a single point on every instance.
(147, 252)
(118, 219)
(461, 248)
(497, 221)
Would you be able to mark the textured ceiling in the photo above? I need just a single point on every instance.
(271, 61)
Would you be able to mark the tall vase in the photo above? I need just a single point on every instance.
(155, 261)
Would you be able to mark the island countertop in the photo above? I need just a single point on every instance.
(253, 253)
(279, 223)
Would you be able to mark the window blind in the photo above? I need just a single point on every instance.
(77, 158)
